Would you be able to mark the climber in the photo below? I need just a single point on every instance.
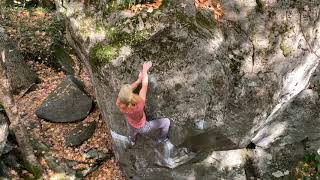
(132, 106)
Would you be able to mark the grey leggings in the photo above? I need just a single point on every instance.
(162, 123)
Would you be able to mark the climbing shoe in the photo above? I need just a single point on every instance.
(161, 140)
(132, 141)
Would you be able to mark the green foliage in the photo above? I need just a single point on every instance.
(309, 167)
(312, 157)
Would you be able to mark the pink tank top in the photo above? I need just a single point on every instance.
(135, 115)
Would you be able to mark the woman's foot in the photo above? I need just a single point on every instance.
(132, 141)
(161, 140)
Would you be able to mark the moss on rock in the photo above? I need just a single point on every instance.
(34, 169)
(205, 19)
(187, 21)
(286, 50)
(202, 20)
(101, 53)
(166, 3)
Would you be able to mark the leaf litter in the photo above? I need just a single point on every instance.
(52, 134)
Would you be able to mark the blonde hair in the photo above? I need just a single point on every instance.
(127, 97)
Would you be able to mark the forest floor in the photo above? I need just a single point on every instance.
(52, 134)
(34, 30)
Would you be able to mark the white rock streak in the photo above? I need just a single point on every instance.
(293, 84)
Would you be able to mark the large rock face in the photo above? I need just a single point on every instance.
(224, 85)
(20, 75)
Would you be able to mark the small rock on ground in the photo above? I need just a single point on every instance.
(67, 103)
(80, 134)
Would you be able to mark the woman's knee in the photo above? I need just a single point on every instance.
(167, 122)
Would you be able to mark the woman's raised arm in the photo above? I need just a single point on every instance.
(145, 80)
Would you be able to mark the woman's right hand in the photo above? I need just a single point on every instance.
(145, 80)
(146, 66)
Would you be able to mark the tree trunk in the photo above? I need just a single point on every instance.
(7, 100)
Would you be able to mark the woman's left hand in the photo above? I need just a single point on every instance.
(140, 76)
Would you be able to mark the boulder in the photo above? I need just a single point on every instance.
(4, 131)
(62, 58)
(4, 171)
(241, 82)
(67, 103)
(11, 161)
(21, 77)
(87, 171)
(96, 154)
(8, 147)
(80, 134)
